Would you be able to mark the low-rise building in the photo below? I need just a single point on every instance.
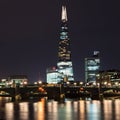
(108, 77)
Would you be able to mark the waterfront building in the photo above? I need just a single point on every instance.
(108, 77)
(92, 67)
(53, 76)
(3, 82)
(14, 80)
(18, 80)
(64, 64)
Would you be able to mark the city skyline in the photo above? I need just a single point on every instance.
(29, 35)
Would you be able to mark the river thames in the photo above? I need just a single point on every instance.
(53, 110)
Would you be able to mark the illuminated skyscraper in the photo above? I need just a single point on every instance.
(92, 67)
(52, 75)
(65, 67)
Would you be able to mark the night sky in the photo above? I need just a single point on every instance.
(29, 35)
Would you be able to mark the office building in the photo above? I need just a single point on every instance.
(53, 76)
(92, 67)
(64, 64)
(107, 77)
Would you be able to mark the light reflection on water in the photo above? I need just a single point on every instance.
(52, 110)
(9, 108)
(23, 110)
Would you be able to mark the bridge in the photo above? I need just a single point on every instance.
(54, 92)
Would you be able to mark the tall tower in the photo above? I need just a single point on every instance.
(65, 67)
(92, 67)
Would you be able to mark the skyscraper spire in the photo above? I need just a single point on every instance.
(64, 14)
(64, 52)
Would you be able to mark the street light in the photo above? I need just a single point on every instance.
(81, 83)
(68, 83)
(39, 82)
(116, 83)
(105, 83)
(75, 84)
(35, 83)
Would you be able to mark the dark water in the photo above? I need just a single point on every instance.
(52, 110)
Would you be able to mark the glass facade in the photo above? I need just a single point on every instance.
(108, 77)
(64, 64)
(53, 76)
(64, 53)
(66, 70)
(92, 67)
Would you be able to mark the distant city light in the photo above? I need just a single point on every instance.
(35, 83)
